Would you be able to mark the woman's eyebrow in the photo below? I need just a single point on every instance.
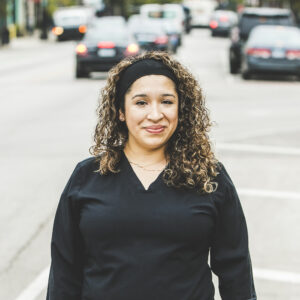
(139, 95)
(168, 95)
(145, 95)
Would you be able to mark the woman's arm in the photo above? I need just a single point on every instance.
(65, 279)
(230, 258)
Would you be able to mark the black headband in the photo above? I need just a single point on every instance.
(139, 69)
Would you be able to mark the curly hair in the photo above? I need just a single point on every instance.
(193, 164)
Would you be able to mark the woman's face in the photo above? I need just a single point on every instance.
(151, 112)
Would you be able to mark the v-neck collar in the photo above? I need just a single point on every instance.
(136, 180)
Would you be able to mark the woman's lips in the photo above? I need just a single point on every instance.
(155, 129)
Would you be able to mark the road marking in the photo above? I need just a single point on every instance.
(36, 287)
(274, 275)
(269, 194)
(258, 148)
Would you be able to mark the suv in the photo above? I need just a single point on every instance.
(248, 19)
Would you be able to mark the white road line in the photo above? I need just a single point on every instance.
(36, 287)
(269, 194)
(274, 275)
(258, 148)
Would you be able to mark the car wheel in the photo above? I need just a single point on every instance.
(233, 67)
(180, 41)
(80, 73)
(174, 49)
(60, 38)
(246, 75)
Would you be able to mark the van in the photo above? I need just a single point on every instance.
(201, 11)
(70, 23)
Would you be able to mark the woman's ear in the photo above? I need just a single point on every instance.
(121, 116)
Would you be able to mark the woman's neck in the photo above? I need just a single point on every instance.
(144, 156)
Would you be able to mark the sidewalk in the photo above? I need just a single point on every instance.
(27, 42)
(28, 52)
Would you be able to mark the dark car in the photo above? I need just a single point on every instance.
(222, 21)
(150, 34)
(249, 18)
(272, 49)
(100, 50)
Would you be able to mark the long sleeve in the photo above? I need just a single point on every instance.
(230, 258)
(65, 279)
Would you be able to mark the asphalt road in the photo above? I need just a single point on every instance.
(46, 124)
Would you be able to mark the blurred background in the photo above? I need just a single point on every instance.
(54, 59)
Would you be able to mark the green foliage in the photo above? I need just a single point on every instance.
(140, 2)
(54, 4)
(2, 8)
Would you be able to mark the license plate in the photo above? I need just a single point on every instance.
(107, 52)
(278, 54)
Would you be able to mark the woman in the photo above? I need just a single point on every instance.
(138, 220)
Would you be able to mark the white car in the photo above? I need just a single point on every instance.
(70, 23)
(172, 16)
(201, 11)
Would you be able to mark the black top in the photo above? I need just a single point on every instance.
(114, 240)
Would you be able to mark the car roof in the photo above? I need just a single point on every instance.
(266, 11)
(109, 18)
(222, 11)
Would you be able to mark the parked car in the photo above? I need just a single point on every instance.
(222, 21)
(70, 23)
(149, 34)
(101, 49)
(249, 18)
(272, 49)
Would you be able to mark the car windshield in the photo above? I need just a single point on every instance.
(151, 27)
(155, 14)
(66, 20)
(275, 36)
(107, 21)
(250, 21)
(169, 14)
(117, 36)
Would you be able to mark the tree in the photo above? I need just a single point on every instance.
(121, 7)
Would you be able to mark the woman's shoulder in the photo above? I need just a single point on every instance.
(90, 162)
(87, 166)
(223, 179)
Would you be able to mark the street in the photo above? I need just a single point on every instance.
(47, 121)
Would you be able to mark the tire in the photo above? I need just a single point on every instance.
(81, 73)
(180, 41)
(246, 75)
(233, 67)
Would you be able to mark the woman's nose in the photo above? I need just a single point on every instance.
(155, 113)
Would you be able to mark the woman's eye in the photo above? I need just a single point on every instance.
(167, 102)
(141, 103)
